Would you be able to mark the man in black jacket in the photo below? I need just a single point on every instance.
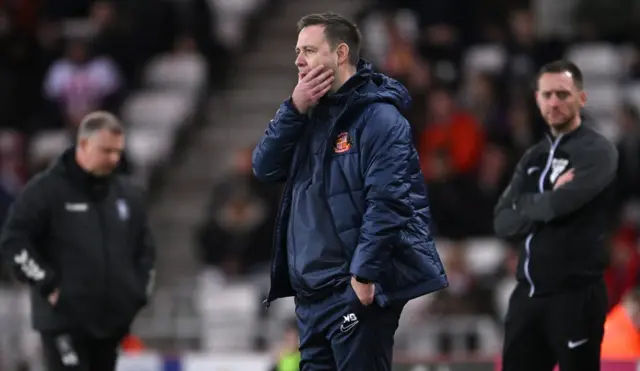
(78, 235)
(558, 205)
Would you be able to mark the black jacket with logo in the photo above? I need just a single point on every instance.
(88, 237)
(563, 232)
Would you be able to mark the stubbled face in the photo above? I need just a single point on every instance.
(313, 49)
(102, 151)
(559, 100)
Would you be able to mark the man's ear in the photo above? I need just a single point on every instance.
(583, 98)
(343, 53)
(82, 142)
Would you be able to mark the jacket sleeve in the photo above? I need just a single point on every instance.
(508, 222)
(272, 156)
(26, 222)
(386, 150)
(595, 165)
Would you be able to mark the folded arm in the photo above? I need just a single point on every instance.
(272, 156)
(386, 148)
(594, 167)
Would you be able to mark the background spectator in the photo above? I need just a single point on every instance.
(197, 81)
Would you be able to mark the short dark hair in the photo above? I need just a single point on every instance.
(97, 121)
(337, 29)
(563, 66)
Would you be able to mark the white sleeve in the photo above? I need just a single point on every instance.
(56, 79)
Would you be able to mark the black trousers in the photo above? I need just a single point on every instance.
(78, 352)
(564, 329)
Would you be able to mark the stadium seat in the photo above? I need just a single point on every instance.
(484, 255)
(152, 119)
(484, 58)
(282, 309)
(502, 294)
(603, 99)
(408, 23)
(597, 61)
(608, 126)
(146, 148)
(229, 317)
(631, 93)
(413, 318)
(184, 72)
(377, 40)
(231, 17)
(46, 145)
(237, 297)
(15, 314)
(162, 111)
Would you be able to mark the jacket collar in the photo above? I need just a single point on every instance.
(68, 167)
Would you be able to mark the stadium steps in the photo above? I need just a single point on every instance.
(237, 119)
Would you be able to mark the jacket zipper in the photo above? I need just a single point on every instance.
(325, 174)
(267, 301)
(527, 242)
(288, 185)
(331, 218)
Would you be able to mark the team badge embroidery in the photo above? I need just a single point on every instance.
(558, 166)
(342, 143)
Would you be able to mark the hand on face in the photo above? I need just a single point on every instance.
(317, 62)
(312, 86)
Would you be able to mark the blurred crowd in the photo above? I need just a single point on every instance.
(60, 60)
(470, 66)
(471, 125)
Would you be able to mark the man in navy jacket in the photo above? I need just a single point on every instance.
(352, 239)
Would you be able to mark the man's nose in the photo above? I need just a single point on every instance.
(554, 101)
(300, 62)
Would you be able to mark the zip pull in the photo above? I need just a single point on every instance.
(266, 304)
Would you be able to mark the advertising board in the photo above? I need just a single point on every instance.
(263, 362)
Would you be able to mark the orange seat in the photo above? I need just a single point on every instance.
(621, 338)
(132, 344)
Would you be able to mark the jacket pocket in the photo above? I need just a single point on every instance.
(352, 300)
